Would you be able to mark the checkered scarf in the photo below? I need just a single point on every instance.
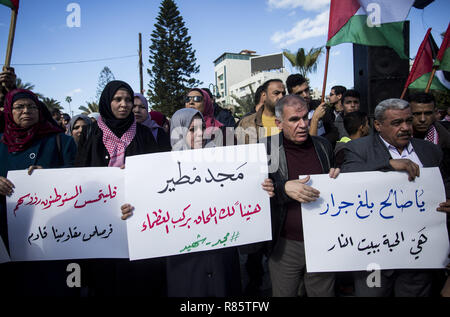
(432, 135)
(116, 147)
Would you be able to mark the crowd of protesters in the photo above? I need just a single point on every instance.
(332, 137)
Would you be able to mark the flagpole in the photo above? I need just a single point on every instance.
(431, 79)
(404, 92)
(12, 31)
(326, 73)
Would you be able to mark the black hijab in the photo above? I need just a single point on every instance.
(117, 126)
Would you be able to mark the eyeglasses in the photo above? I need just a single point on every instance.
(195, 98)
(30, 107)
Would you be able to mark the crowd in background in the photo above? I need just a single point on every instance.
(315, 137)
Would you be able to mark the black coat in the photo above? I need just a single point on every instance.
(118, 277)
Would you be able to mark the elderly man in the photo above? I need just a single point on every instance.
(293, 153)
(393, 149)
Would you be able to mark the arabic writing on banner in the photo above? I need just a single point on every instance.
(4, 256)
(375, 217)
(196, 204)
(74, 213)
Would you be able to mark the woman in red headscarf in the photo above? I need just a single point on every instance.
(32, 139)
(199, 99)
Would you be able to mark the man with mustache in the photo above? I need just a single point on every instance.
(394, 149)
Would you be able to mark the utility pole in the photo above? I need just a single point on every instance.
(140, 64)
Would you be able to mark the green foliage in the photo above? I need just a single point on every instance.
(304, 63)
(106, 75)
(91, 107)
(173, 61)
(246, 103)
(52, 103)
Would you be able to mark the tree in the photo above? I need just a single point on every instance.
(173, 61)
(105, 77)
(91, 107)
(69, 100)
(246, 103)
(29, 86)
(304, 63)
(52, 103)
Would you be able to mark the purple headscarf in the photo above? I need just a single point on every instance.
(148, 122)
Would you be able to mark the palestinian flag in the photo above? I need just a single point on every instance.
(13, 4)
(423, 65)
(369, 22)
(443, 60)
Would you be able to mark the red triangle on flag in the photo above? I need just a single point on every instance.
(340, 12)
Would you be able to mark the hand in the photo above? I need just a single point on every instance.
(122, 167)
(6, 187)
(268, 187)
(297, 190)
(319, 112)
(334, 172)
(127, 211)
(34, 167)
(407, 165)
(8, 78)
(445, 206)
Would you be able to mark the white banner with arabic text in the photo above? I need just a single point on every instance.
(376, 219)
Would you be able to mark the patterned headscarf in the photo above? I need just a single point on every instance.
(19, 139)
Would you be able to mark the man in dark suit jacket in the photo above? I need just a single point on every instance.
(293, 153)
(394, 149)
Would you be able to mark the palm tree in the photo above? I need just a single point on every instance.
(246, 103)
(69, 100)
(52, 103)
(29, 86)
(304, 63)
(91, 107)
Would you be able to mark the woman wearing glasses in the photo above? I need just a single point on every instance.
(199, 99)
(32, 139)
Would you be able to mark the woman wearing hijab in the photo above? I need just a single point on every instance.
(115, 136)
(31, 139)
(78, 124)
(204, 274)
(200, 100)
(161, 120)
(140, 110)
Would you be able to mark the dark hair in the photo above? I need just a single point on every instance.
(258, 93)
(55, 111)
(209, 92)
(422, 97)
(294, 80)
(267, 83)
(353, 120)
(66, 116)
(351, 93)
(339, 90)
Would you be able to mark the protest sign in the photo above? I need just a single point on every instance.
(376, 219)
(197, 200)
(73, 213)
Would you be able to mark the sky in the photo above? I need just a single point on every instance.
(47, 45)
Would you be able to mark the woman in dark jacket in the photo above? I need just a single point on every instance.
(214, 273)
(115, 136)
(31, 138)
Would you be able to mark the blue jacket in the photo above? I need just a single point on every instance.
(43, 152)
